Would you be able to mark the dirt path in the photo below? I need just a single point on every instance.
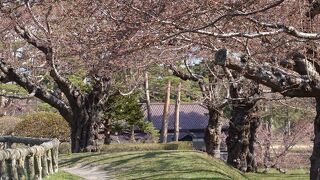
(88, 172)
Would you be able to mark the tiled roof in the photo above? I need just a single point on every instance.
(192, 116)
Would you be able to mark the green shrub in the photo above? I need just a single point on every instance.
(8, 124)
(44, 124)
(64, 148)
(185, 145)
(152, 131)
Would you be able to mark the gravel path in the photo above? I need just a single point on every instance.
(88, 172)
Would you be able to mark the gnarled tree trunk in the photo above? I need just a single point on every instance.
(271, 78)
(84, 131)
(238, 139)
(315, 157)
(243, 125)
(213, 133)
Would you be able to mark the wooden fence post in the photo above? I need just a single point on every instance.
(30, 166)
(55, 153)
(177, 114)
(32, 163)
(12, 169)
(21, 169)
(37, 166)
(44, 164)
(164, 129)
(49, 162)
(2, 169)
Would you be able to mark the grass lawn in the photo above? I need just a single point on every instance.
(274, 174)
(62, 176)
(163, 164)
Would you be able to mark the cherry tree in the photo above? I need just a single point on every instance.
(44, 43)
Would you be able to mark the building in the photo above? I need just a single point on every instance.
(193, 121)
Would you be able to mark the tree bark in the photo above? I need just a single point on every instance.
(267, 151)
(84, 133)
(315, 157)
(107, 131)
(251, 158)
(132, 136)
(213, 133)
(239, 137)
(164, 129)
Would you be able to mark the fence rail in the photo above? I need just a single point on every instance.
(35, 160)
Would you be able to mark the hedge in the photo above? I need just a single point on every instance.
(44, 124)
(8, 124)
(182, 145)
(65, 148)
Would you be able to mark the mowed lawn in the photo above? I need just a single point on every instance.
(164, 164)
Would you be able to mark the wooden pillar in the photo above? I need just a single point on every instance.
(30, 166)
(55, 153)
(12, 169)
(49, 162)
(147, 93)
(21, 168)
(44, 165)
(164, 129)
(3, 169)
(37, 166)
(177, 114)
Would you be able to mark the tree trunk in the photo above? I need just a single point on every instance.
(164, 128)
(251, 160)
(213, 134)
(84, 133)
(238, 139)
(267, 153)
(132, 137)
(315, 157)
(107, 131)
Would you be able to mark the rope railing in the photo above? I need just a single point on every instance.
(36, 159)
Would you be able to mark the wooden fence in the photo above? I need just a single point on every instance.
(33, 158)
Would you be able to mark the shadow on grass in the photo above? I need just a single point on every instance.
(163, 165)
(161, 173)
(92, 158)
(75, 160)
(163, 168)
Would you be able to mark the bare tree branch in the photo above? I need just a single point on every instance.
(66, 87)
(233, 14)
(290, 30)
(17, 96)
(286, 82)
(34, 90)
(35, 19)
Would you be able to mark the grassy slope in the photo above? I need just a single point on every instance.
(166, 165)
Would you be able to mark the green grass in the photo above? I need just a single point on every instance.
(163, 164)
(126, 147)
(61, 175)
(297, 174)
